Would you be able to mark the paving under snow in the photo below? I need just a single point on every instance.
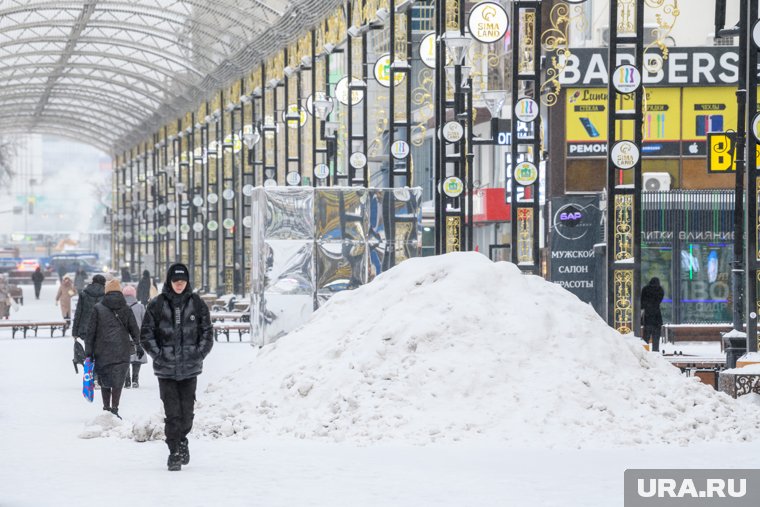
(455, 348)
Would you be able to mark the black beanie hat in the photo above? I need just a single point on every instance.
(99, 279)
(178, 272)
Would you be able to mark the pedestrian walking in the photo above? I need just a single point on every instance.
(651, 297)
(126, 276)
(66, 291)
(177, 334)
(144, 287)
(135, 361)
(37, 278)
(112, 336)
(80, 279)
(5, 298)
(88, 298)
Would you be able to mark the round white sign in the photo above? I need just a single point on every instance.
(526, 110)
(198, 200)
(357, 160)
(247, 222)
(248, 190)
(488, 22)
(526, 173)
(453, 186)
(321, 171)
(626, 79)
(427, 50)
(341, 93)
(756, 34)
(228, 223)
(184, 228)
(293, 178)
(171, 228)
(212, 198)
(756, 126)
(228, 194)
(624, 154)
(212, 225)
(383, 72)
(270, 183)
(400, 149)
(162, 229)
(453, 131)
(197, 227)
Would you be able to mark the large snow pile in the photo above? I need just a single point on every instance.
(455, 348)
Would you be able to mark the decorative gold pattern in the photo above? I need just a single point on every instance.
(422, 96)
(452, 15)
(626, 16)
(623, 227)
(400, 47)
(622, 280)
(453, 233)
(665, 21)
(527, 42)
(555, 40)
(525, 235)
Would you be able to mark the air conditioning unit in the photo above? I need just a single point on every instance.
(652, 32)
(656, 182)
(720, 41)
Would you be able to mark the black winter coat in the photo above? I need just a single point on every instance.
(143, 288)
(107, 339)
(88, 298)
(651, 297)
(177, 351)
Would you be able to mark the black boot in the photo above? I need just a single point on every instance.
(174, 463)
(115, 411)
(184, 451)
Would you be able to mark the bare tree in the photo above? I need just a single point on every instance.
(7, 153)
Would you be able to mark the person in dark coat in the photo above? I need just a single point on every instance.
(651, 297)
(126, 277)
(112, 336)
(143, 287)
(80, 279)
(37, 278)
(178, 335)
(139, 312)
(88, 298)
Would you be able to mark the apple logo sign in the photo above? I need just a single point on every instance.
(693, 148)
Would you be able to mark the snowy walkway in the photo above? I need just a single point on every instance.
(43, 463)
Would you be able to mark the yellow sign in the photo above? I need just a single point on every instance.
(720, 153)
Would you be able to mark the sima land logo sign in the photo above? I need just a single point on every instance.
(692, 487)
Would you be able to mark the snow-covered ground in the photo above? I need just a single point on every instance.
(450, 382)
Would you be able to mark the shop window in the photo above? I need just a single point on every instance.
(655, 262)
(705, 282)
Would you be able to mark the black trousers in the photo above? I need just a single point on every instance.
(37, 289)
(179, 401)
(652, 333)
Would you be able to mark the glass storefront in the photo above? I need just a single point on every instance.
(687, 242)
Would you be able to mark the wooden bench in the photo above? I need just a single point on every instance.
(230, 316)
(30, 325)
(225, 328)
(694, 332)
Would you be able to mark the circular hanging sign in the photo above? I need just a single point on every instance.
(270, 183)
(198, 201)
(293, 178)
(526, 173)
(212, 198)
(383, 72)
(626, 79)
(228, 223)
(248, 190)
(756, 126)
(453, 131)
(427, 50)
(341, 93)
(488, 22)
(161, 230)
(247, 222)
(756, 34)
(212, 225)
(357, 160)
(400, 149)
(453, 186)
(321, 171)
(624, 154)
(161, 209)
(526, 110)
(228, 194)
(171, 206)
(171, 228)
(294, 109)
(184, 228)
(197, 227)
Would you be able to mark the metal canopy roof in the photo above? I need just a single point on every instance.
(109, 73)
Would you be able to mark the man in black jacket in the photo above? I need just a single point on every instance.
(177, 333)
(651, 297)
(88, 298)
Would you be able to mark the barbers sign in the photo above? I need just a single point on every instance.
(706, 66)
